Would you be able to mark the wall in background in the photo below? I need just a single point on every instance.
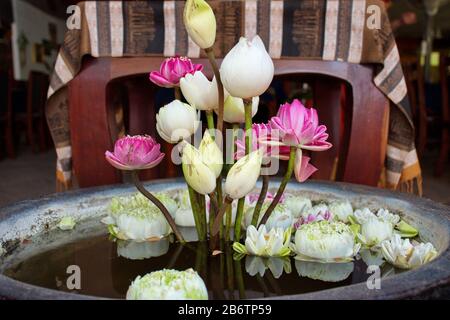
(36, 36)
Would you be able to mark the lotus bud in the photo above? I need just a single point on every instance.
(200, 23)
(211, 154)
(176, 121)
(375, 231)
(200, 92)
(168, 284)
(234, 112)
(247, 70)
(242, 177)
(197, 173)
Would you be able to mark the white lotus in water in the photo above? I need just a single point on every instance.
(376, 230)
(263, 243)
(329, 272)
(168, 284)
(184, 216)
(341, 210)
(257, 265)
(136, 218)
(297, 205)
(142, 250)
(372, 257)
(325, 241)
(403, 254)
(280, 217)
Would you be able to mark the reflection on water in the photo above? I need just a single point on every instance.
(107, 269)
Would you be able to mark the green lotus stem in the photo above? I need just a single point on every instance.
(210, 122)
(212, 60)
(215, 229)
(202, 211)
(159, 204)
(230, 273)
(196, 211)
(261, 198)
(248, 148)
(229, 212)
(239, 279)
(287, 177)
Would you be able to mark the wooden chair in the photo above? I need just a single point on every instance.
(358, 130)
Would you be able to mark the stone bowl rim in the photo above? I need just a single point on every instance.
(414, 282)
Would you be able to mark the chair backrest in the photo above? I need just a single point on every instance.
(354, 110)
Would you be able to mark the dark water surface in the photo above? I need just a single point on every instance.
(104, 273)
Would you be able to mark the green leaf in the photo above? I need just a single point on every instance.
(406, 230)
(239, 248)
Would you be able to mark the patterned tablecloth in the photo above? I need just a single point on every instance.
(318, 29)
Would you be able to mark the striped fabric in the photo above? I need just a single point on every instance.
(334, 30)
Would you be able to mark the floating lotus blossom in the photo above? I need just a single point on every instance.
(281, 217)
(242, 176)
(402, 254)
(176, 121)
(200, 23)
(247, 69)
(142, 250)
(136, 223)
(233, 111)
(261, 136)
(197, 173)
(168, 284)
(299, 127)
(376, 230)
(263, 243)
(257, 265)
(253, 197)
(184, 216)
(324, 241)
(201, 93)
(135, 153)
(341, 210)
(297, 205)
(302, 169)
(172, 70)
(328, 272)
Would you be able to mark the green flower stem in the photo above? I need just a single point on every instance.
(287, 177)
(212, 60)
(213, 208)
(196, 211)
(239, 279)
(202, 211)
(210, 122)
(261, 198)
(229, 212)
(230, 273)
(157, 203)
(215, 229)
(248, 149)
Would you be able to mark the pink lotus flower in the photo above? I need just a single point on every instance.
(172, 70)
(253, 197)
(320, 216)
(302, 169)
(262, 137)
(299, 126)
(135, 153)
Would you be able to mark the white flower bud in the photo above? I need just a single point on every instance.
(242, 177)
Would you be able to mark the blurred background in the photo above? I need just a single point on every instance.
(32, 30)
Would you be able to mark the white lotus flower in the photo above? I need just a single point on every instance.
(176, 121)
(242, 177)
(385, 215)
(376, 230)
(280, 217)
(247, 69)
(363, 215)
(132, 218)
(234, 112)
(341, 210)
(318, 209)
(402, 254)
(274, 243)
(196, 172)
(201, 93)
(168, 284)
(142, 250)
(184, 216)
(211, 154)
(257, 265)
(297, 205)
(325, 241)
(372, 257)
(328, 272)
